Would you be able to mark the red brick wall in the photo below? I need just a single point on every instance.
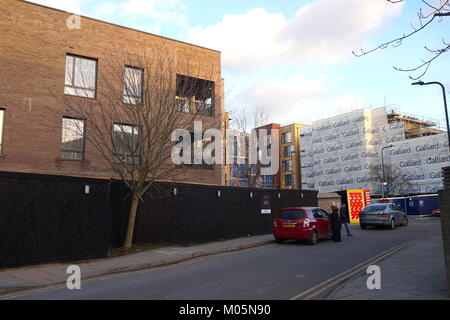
(34, 41)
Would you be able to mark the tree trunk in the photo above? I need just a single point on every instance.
(131, 220)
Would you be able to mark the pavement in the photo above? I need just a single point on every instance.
(24, 278)
(416, 272)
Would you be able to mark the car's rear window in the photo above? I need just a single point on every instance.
(375, 207)
(292, 214)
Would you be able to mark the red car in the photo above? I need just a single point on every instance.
(436, 212)
(308, 223)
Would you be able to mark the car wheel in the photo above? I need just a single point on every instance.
(313, 239)
(392, 227)
(405, 221)
(363, 226)
(279, 240)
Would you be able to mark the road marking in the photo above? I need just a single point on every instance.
(312, 292)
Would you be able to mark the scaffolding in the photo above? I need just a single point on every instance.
(415, 126)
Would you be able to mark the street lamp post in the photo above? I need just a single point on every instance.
(421, 83)
(382, 166)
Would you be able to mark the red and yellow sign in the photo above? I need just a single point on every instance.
(357, 200)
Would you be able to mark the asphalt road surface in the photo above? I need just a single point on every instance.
(274, 271)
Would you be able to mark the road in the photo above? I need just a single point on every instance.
(274, 271)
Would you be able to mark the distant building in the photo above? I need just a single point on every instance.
(340, 152)
(270, 181)
(290, 172)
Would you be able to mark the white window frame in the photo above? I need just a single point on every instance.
(285, 178)
(126, 157)
(2, 125)
(130, 97)
(79, 129)
(88, 86)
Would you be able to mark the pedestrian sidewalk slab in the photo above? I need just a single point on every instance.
(52, 274)
(416, 272)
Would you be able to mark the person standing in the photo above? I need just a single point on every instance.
(345, 218)
(335, 223)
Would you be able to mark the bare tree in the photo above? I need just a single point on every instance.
(393, 177)
(244, 122)
(142, 98)
(426, 16)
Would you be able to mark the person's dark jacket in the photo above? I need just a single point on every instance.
(343, 212)
(335, 220)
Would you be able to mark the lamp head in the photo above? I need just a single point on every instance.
(420, 83)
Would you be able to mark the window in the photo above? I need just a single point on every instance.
(199, 144)
(183, 104)
(286, 137)
(266, 181)
(376, 207)
(204, 106)
(132, 89)
(195, 95)
(292, 214)
(287, 165)
(2, 117)
(288, 151)
(81, 76)
(319, 213)
(289, 180)
(126, 144)
(72, 145)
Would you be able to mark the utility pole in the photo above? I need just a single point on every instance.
(382, 166)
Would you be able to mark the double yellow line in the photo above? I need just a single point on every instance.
(327, 284)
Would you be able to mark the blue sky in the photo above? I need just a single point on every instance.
(294, 57)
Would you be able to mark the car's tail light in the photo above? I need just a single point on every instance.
(306, 223)
(382, 213)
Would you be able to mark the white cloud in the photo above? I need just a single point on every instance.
(324, 31)
(245, 38)
(73, 6)
(297, 99)
(288, 100)
(345, 103)
(106, 10)
(172, 11)
(158, 12)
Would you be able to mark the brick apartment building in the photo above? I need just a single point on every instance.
(270, 181)
(37, 50)
(290, 171)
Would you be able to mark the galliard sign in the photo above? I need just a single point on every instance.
(345, 149)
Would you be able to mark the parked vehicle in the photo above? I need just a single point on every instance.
(383, 214)
(308, 223)
(436, 212)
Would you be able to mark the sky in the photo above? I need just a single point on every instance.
(295, 58)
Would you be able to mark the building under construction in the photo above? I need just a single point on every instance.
(415, 126)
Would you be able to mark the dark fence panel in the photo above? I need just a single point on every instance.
(50, 218)
(198, 214)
